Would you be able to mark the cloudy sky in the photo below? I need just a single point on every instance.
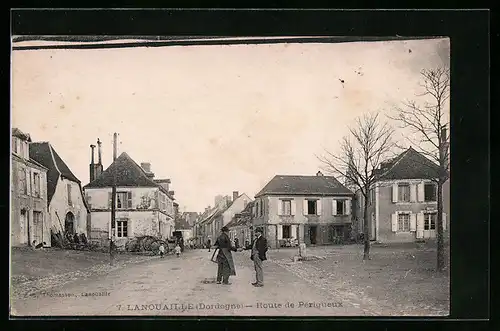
(213, 119)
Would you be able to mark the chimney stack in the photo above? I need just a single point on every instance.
(92, 165)
(235, 195)
(319, 173)
(99, 160)
(146, 166)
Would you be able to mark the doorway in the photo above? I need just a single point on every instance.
(23, 226)
(313, 232)
(69, 224)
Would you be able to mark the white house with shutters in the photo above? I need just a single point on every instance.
(68, 212)
(403, 200)
(315, 210)
(144, 205)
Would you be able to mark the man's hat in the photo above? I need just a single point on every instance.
(225, 229)
(259, 230)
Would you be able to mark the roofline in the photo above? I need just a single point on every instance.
(30, 160)
(301, 194)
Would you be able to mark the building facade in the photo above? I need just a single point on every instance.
(68, 212)
(143, 207)
(315, 210)
(241, 225)
(29, 222)
(403, 200)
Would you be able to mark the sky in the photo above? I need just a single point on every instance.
(213, 119)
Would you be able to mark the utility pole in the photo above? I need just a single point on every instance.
(113, 200)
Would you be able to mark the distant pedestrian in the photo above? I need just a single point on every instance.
(209, 244)
(259, 249)
(236, 243)
(178, 250)
(225, 264)
(162, 250)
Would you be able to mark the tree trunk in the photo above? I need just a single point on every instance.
(440, 237)
(366, 228)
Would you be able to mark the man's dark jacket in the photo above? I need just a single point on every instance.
(261, 246)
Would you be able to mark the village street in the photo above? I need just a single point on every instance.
(155, 287)
(339, 284)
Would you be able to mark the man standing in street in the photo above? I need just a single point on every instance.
(225, 262)
(259, 249)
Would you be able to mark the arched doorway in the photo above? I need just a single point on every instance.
(69, 223)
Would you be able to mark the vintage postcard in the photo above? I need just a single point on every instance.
(229, 176)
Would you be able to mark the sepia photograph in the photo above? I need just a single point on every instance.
(223, 176)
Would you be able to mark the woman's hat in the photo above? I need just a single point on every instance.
(225, 229)
(259, 230)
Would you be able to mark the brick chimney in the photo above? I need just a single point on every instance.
(92, 165)
(235, 195)
(98, 168)
(146, 166)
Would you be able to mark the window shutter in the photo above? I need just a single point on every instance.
(444, 221)
(394, 222)
(293, 207)
(280, 232)
(413, 222)
(394, 192)
(348, 207)
(110, 199)
(28, 182)
(421, 193)
(130, 228)
(413, 193)
(304, 207)
(318, 207)
(280, 207)
(129, 199)
(293, 231)
(334, 207)
(420, 225)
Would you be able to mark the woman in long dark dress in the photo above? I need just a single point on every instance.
(225, 262)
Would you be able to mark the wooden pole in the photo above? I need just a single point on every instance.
(113, 200)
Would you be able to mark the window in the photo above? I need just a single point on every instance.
(404, 192)
(15, 143)
(430, 221)
(69, 194)
(286, 207)
(21, 152)
(89, 200)
(430, 192)
(341, 207)
(404, 222)
(36, 184)
(123, 200)
(122, 228)
(311, 207)
(24, 181)
(287, 231)
(261, 205)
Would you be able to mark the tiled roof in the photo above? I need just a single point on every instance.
(128, 174)
(304, 185)
(242, 218)
(46, 155)
(408, 165)
(181, 224)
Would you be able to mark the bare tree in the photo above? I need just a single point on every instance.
(360, 154)
(428, 122)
